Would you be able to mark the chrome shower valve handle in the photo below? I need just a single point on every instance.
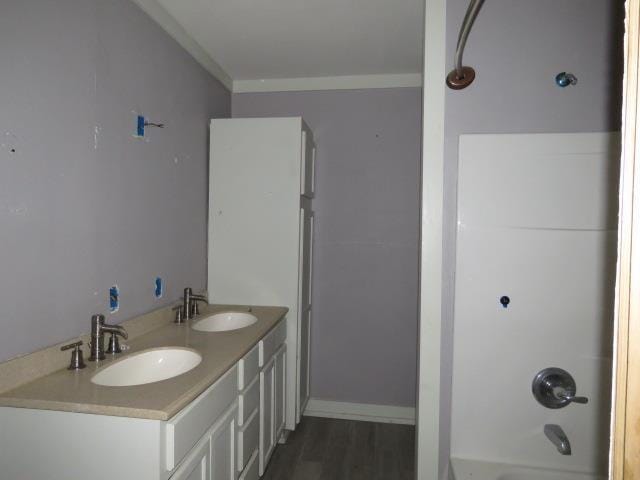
(555, 388)
(573, 399)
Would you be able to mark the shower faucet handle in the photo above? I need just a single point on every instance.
(555, 388)
(573, 399)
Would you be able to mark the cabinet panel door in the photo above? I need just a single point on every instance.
(223, 447)
(280, 392)
(305, 262)
(184, 430)
(304, 306)
(307, 167)
(267, 431)
(304, 362)
(248, 439)
(197, 464)
(251, 471)
(313, 171)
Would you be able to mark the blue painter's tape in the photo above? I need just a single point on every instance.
(140, 130)
(159, 287)
(114, 299)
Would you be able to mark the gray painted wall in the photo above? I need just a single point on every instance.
(517, 47)
(365, 277)
(83, 204)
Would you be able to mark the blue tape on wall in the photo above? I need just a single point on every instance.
(159, 287)
(140, 130)
(114, 299)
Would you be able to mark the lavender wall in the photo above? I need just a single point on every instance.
(365, 277)
(517, 47)
(83, 204)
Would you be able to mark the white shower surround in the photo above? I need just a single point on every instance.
(478, 470)
(537, 218)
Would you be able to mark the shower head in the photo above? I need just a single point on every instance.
(461, 77)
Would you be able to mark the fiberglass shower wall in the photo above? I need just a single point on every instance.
(537, 219)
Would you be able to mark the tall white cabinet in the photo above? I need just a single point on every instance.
(261, 186)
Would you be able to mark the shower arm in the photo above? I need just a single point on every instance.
(461, 77)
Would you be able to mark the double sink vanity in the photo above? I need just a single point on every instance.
(202, 400)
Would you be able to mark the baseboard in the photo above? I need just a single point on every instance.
(360, 411)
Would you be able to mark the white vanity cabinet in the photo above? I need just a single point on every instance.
(261, 186)
(261, 402)
(197, 443)
(197, 466)
(213, 458)
(272, 392)
(223, 448)
(249, 415)
(228, 432)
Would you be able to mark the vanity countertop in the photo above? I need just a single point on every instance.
(72, 391)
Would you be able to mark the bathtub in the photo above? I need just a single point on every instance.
(462, 469)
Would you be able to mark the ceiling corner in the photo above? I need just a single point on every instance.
(158, 13)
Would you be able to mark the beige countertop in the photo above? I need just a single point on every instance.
(72, 391)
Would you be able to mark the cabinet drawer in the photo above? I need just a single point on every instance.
(248, 400)
(251, 470)
(248, 368)
(248, 436)
(272, 342)
(183, 431)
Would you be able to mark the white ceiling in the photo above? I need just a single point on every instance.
(285, 39)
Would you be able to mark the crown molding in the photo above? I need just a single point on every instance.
(347, 82)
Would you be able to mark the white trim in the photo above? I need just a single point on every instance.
(160, 15)
(346, 82)
(360, 411)
(430, 461)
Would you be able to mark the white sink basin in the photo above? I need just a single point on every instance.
(225, 321)
(148, 366)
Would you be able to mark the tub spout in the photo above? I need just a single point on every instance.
(558, 438)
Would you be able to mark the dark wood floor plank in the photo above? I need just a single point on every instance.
(315, 445)
(330, 449)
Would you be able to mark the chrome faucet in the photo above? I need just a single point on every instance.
(98, 329)
(190, 303)
(558, 438)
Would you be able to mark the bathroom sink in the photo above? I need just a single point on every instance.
(148, 366)
(225, 321)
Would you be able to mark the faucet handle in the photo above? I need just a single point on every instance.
(573, 399)
(555, 388)
(77, 360)
(71, 345)
(179, 318)
(114, 344)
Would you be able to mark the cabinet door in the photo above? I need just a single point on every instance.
(223, 446)
(304, 309)
(280, 391)
(304, 362)
(197, 464)
(267, 430)
(305, 254)
(313, 171)
(307, 164)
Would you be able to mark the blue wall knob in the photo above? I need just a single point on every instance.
(505, 301)
(564, 79)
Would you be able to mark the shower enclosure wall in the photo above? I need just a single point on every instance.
(535, 272)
